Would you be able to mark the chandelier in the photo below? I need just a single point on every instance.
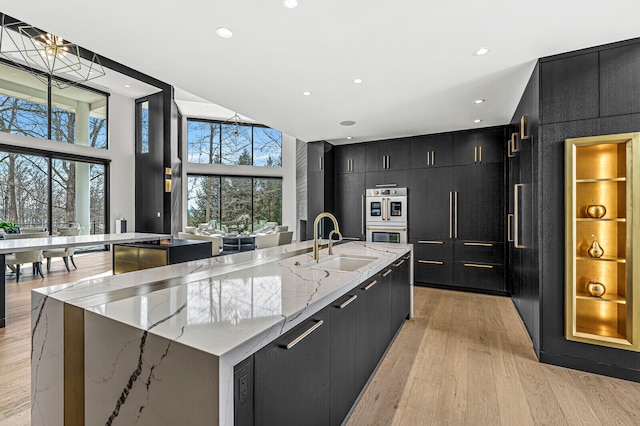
(36, 51)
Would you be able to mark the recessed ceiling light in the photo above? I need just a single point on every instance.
(290, 4)
(224, 32)
(478, 101)
(306, 93)
(477, 120)
(347, 123)
(349, 138)
(127, 85)
(481, 51)
(357, 81)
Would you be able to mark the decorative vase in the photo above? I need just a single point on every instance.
(595, 250)
(596, 210)
(596, 289)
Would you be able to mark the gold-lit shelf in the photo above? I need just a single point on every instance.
(600, 178)
(618, 179)
(611, 298)
(591, 219)
(603, 259)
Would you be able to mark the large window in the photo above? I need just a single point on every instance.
(213, 142)
(32, 186)
(76, 115)
(234, 204)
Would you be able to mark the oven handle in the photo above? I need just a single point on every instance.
(386, 228)
(362, 216)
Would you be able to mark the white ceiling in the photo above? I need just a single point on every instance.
(415, 56)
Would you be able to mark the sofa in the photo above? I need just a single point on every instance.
(203, 232)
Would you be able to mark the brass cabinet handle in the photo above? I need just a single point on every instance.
(479, 244)
(407, 257)
(398, 264)
(431, 262)
(371, 284)
(475, 154)
(509, 219)
(476, 265)
(455, 214)
(450, 214)
(348, 301)
(510, 153)
(516, 222)
(391, 228)
(320, 163)
(428, 164)
(433, 158)
(362, 215)
(388, 162)
(386, 185)
(514, 149)
(524, 122)
(301, 337)
(387, 272)
(480, 150)
(430, 242)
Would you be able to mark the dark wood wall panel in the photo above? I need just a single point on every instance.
(620, 80)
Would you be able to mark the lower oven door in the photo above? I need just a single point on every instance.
(387, 234)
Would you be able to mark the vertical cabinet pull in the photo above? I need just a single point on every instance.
(509, 151)
(455, 214)
(524, 122)
(514, 148)
(509, 220)
(475, 154)
(301, 337)
(433, 158)
(480, 155)
(450, 214)
(428, 158)
(362, 215)
(320, 163)
(516, 222)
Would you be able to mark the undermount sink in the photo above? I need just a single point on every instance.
(342, 262)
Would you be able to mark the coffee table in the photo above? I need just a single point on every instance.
(239, 243)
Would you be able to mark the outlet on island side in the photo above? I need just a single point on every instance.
(243, 392)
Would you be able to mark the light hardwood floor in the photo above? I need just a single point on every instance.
(464, 359)
(15, 338)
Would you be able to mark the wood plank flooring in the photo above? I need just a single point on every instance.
(15, 338)
(464, 359)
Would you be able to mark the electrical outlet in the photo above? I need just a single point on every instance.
(243, 390)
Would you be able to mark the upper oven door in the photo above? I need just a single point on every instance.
(387, 209)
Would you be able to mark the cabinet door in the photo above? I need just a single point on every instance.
(344, 362)
(479, 214)
(433, 263)
(398, 154)
(399, 178)
(430, 207)
(491, 145)
(441, 147)
(350, 159)
(292, 386)
(315, 157)
(479, 275)
(373, 152)
(420, 152)
(400, 294)
(464, 148)
(350, 208)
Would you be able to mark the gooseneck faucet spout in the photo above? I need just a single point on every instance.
(316, 239)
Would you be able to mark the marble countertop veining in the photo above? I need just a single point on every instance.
(218, 305)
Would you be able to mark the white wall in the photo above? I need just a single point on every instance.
(123, 162)
(121, 152)
(287, 172)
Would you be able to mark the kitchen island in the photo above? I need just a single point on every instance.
(159, 346)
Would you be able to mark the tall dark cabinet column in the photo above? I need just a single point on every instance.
(320, 185)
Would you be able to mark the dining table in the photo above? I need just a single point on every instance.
(53, 242)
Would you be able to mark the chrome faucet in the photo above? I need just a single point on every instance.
(316, 241)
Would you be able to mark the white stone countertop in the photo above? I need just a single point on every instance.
(229, 303)
(51, 242)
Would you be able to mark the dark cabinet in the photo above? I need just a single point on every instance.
(456, 213)
(350, 195)
(619, 88)
(399, 178)
(570, 88)
(349, 158)
(400, 294)
(388, 155)
(345, 387)
(480, 146)
(478, 202)
(432, 151)
(320, 184)
(292, 376)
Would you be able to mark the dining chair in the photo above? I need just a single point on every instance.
(31, 256)
(64, 253)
